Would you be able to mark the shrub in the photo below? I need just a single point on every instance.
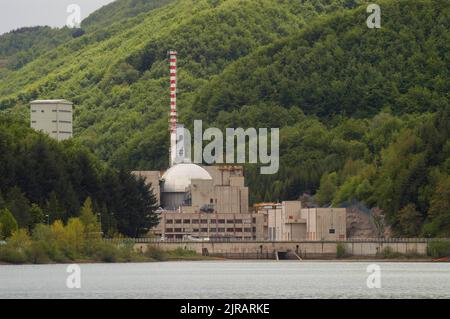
(126, 250)
(107, 252)
(12, 255)
(180, 252)
(156, 253)
(37, 253)
(340, 250)
(389, 253)
(439, 248)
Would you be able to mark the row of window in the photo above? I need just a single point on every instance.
(211, 230)
(61, 111)
(180, 236)
(61, 121)
(62, 132)
(211, 221)
(54, 121)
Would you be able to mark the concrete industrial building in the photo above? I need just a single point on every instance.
(204, 202)
(53, 117)
(288, 221)
(211, 202)
(198, 201)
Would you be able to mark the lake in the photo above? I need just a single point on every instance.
(228, 279)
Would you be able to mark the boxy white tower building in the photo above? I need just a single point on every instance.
(53, 117)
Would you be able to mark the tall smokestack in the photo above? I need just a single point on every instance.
(173, 106)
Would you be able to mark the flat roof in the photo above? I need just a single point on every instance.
(62, 101)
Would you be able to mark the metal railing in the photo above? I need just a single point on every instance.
(149, 240)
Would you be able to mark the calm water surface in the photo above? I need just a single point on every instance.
(228, 279)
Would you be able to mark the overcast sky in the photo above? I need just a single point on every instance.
(25, 13)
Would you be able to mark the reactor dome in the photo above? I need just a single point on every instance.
(179, 176)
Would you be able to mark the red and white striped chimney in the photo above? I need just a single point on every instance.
(173, 106)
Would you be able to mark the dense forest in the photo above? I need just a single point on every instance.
(363, 113)
(43, 181)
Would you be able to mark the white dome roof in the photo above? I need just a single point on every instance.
(179, 176)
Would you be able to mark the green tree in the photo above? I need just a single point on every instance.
(89, 218)
(439, 211)
(410, 221)
(8, 224)
(327, 189)
(37, 216)
(19, 206)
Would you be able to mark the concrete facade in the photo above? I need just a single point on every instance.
(213, 226)
(53, 117)
(304, 249)
(325, 223)
(215, 208)
(287, 221)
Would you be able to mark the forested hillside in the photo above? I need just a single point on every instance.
(337, 65)
(21, 46)
(42, 180)
(363, 112)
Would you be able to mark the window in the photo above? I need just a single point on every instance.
(33, 121)
(68, 122)
(195, 230)
(238, 230)
(213, 221)
(230, 221)
(332, 231)
(230, 230)
(195, 221)
(211, 201)
(177, 221)
(213, 230)
(238, 221)
(169, 221)
(221, 230)
(203, 221)
(33, 111)
(253, 220)
(169, 230)
(221, 221)
(247, 230)
(186, 221)
(64, 111)
(177, 230)
(204, 230)
(42, 111)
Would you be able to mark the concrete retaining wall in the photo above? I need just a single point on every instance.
(309, 249)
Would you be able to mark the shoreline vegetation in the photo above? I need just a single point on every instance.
(78, 240)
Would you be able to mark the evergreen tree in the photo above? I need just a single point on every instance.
(19, 206)
(89, 218)
(37, 216)
(8, 224)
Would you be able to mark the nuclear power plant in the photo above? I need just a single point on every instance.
(212, 202)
